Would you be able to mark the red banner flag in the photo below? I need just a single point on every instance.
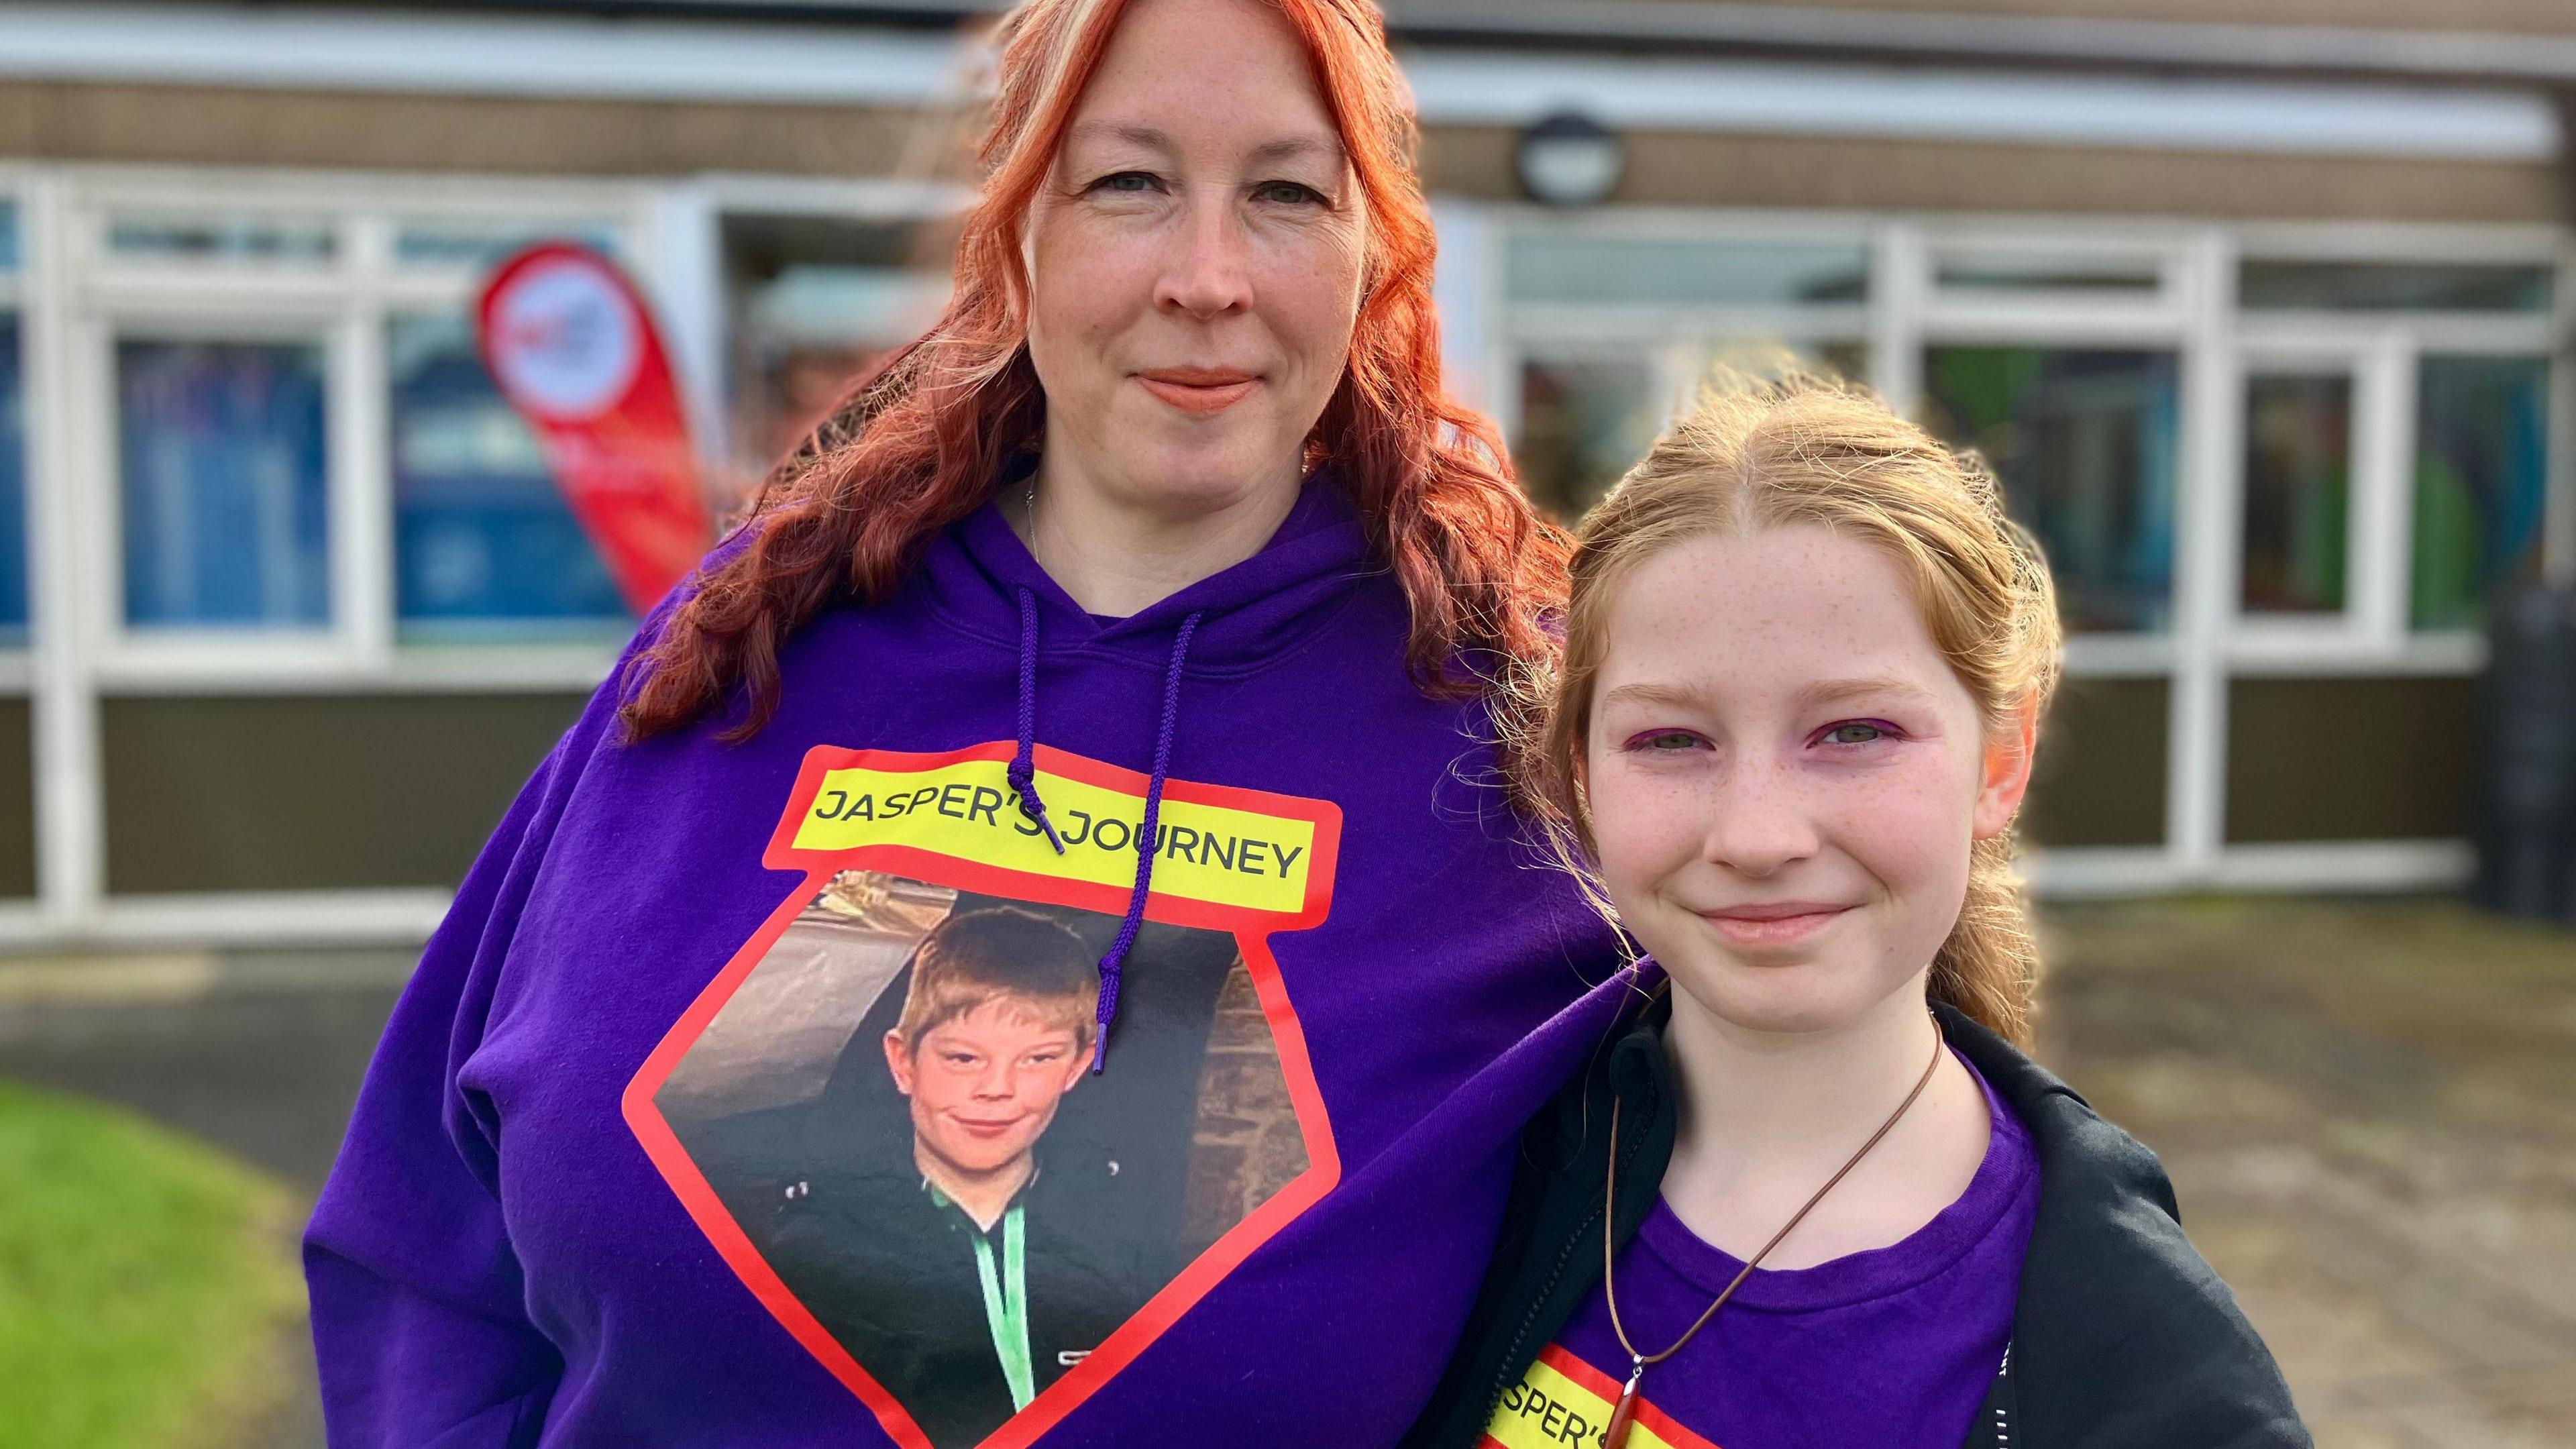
(570, 342)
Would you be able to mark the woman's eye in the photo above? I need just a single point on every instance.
(1131, 182)
(1855, 732)
(1292, 192)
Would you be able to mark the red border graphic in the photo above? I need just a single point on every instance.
(1251, 930)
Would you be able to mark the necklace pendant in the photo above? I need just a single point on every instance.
(1625, 1413)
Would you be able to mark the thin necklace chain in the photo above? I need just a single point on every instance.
(1610, 1218)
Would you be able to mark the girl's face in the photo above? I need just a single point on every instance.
(1785, 776)
(1195, 260)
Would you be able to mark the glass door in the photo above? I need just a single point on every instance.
(2295, 508)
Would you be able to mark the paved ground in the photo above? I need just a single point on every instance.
(2369, 1111)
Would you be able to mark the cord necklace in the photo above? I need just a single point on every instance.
(1616, 1435)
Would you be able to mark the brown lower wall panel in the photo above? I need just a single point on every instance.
(2100, 777)
(2349, 759)
(313, 793)
(17, 802)
(226, 126)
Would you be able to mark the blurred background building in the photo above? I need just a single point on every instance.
(2256, 306)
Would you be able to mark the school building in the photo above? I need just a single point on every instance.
(2258, 306)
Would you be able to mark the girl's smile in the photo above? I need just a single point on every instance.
(1785, 775)
(1778, 923)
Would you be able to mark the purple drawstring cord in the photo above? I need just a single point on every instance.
(1023, 771)
(1146, 839)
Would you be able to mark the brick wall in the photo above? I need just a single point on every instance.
(1248, 1144)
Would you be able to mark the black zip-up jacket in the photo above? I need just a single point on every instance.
(2123, 1337)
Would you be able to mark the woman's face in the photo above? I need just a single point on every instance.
(1195, 262)
(1785, 776)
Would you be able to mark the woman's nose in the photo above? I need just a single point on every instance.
(1209, 273)
(1759, 821)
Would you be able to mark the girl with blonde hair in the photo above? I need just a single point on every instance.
(1814, 1192)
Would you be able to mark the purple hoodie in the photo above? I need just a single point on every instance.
(746, 1096)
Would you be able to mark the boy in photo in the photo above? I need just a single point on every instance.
(996, 1028)
(955, 1266)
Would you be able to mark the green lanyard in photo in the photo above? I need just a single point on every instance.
(1006, 1303)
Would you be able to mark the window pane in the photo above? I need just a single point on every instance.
(475, 245)
(2298, 492)
(2084, 444)
(2481, 480)
(1774, 357)
(2393, 287)
(261, 239)
(1612, 269)
(482, 536)
(8, 235)
(13, 485)
(224, 497)
(1582, 425)
(815, 301)
(2005, 272)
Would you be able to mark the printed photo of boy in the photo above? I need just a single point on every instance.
(969, 1273)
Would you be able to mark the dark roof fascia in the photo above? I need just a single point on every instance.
(1807, 32)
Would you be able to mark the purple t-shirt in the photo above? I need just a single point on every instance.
(1893, 1348)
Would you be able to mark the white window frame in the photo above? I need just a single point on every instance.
(1682, 341)
(688, 224)
(75, 299)
(2193, 312)
(2365, 620)
(69, 300)
(346, 303)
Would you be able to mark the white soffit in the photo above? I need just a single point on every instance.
(528, 55)
(513, 55)
(2087, 39)
(2292, 117)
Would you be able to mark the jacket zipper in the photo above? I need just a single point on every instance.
(2004, 1401)
(1556, 1274)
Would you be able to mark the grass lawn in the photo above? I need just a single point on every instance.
(146, 1281)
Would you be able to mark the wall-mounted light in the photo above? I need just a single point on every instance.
(1570, 159)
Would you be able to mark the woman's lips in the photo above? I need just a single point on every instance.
(1199, 389)
(1781, 923)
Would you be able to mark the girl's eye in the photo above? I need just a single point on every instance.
(1292, 192)
(1666, 742)
(1856, 732)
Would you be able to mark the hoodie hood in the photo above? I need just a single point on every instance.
(1249, 614)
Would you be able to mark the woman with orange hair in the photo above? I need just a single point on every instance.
(1157, 589)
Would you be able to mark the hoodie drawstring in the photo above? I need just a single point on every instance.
(1022, 774)
(1023, 771)
(1148, 837)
